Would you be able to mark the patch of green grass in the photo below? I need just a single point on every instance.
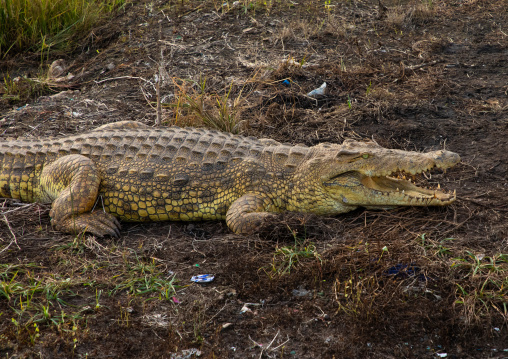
(481, 281)
(20, 89)
(483, 286)
(64, 296)
(440, 249)
(36, 299)
(30, 25)
(286, 258)
(139, 278)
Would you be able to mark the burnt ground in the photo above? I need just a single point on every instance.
(409, 283)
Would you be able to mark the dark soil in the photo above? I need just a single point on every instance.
(409, 283)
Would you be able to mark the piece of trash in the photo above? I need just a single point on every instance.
(301, 292)
(403, 271)
(286, 83)
(442, 355)
(320, 91)
(226, 325)
(186, 354)
(202, 278)
(246, 308)
(175, 300)
(57, 68)
(196, 265)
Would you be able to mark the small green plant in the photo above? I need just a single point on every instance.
(97, 298)
(369, 88)
(349, 104)
(355, 296)
(286, 258)
(329, 8)
(439, 249)
(35, 334)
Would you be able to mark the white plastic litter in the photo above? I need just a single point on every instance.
(320, 91)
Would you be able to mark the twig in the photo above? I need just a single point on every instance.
(269, 345)
(13, 235)
(278, 346)
(159, 79)
(20, 206)
(146, 98)
(190, 11)
(209, 320)
(415, 67)
(255, 343)
(121, 78)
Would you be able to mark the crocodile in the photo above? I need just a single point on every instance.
(132, 172)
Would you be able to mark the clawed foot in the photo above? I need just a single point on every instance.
(98, 223)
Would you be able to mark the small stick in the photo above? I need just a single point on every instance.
(190, 11)
(13, 235)
(415, 67)
(121, 78)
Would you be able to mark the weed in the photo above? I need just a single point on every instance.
(35, 334)
(483, 285)
(216, 111)
(356, 295)
(44, 24)
(287, 257)
(369, 88)
(20, 89)
(439, 249)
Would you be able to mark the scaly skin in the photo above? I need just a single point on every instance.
(132, 172)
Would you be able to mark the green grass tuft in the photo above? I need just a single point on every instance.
(32, 25)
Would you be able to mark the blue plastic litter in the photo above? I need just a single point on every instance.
(403, 271)
(203, 278)
(286, 83)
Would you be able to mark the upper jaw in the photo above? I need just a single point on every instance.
(410, 163)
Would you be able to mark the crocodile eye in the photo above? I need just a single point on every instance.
(365, 155)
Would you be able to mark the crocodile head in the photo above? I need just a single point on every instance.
(364, 174)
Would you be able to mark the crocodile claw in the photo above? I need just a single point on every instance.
(98, 223)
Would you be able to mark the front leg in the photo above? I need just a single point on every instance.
(248, 213)
(72, 184)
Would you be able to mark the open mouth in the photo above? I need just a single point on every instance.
(403, 187)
